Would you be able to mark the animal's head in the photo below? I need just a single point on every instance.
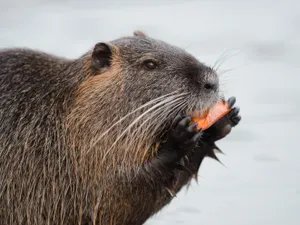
(137, 84)
(151, 69)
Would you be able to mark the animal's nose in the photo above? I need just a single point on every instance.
(210, 86)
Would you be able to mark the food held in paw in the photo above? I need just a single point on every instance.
(212, 115)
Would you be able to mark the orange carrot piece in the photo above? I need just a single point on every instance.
(212, 115)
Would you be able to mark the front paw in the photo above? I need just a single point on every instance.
(233, 116)
(224, 125)
(183, 137)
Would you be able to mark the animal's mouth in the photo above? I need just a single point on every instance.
(198, 113)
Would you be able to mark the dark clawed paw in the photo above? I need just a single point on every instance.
(233, 115)
(183, 135)
(224, 125)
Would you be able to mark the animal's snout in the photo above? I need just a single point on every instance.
(211, 81)
(211, 86)
(208, 79)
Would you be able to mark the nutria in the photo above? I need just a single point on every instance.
(105, 138)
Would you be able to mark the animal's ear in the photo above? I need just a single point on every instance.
(101, 56)
(139, 33)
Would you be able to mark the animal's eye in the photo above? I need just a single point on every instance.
(150, 64)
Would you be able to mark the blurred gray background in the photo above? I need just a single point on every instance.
(261, 39)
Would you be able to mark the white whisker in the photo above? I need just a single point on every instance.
(127, 115)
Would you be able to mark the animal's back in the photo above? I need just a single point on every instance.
(32, 107)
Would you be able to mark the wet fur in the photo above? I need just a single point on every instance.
(66, 155)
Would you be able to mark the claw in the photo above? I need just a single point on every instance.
(192, 128)
(231, 101)
(234, 117)
(237, 119)
(235, 110)
(183, 123)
